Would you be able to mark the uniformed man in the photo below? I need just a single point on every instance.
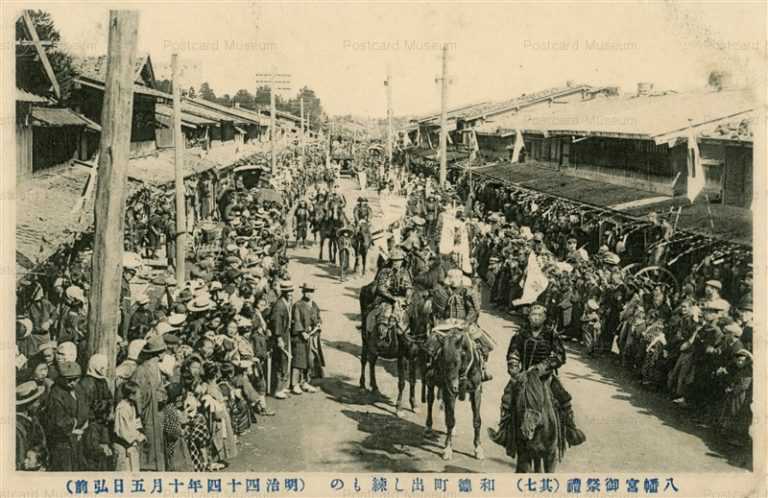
(454, 301)
(362, 211)
(305, 340)
(393, 285)
(538, 346)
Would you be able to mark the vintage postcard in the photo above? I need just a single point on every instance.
(340, 249)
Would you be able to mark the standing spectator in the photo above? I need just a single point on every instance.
(31, 452)
(127, 429)
(280, 325)
(66, 419)
(151, 396)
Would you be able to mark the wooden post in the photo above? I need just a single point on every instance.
(272, 121)
(444, 119)
(301, 105)
(181, 205)
(388, 84)
(106, 278)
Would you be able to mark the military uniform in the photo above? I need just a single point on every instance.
(545, 351)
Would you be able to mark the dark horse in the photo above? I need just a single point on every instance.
(395, 341)
(455, 370)
(332, 218)
(361, 243)
(541, 436)
(530, 428)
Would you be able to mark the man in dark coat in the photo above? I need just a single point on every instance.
(538, 347)
(304, 339)
(66, 419)
(280, 326)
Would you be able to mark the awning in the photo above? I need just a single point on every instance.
(548, 180)
(60, 116)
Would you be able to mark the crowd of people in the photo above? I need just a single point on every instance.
(691, 340)
(194, 363)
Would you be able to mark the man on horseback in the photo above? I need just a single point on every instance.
(393, 288)
(454, 301)
(362, 211)
(302, 216)
(535, 347)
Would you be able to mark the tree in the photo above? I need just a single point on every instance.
(206, 92)
(262, 96)
(244, 98)
(225, 100)
(191, 92)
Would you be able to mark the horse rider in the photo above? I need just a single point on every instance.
(537, 346)
(454, 301)
(344, 241)
(393, 285)
(362, 211)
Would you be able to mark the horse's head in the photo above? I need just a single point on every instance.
(456, 360)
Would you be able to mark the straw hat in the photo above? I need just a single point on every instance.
(27, 392)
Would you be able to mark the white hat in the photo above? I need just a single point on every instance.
(176, 319)
(75, 292)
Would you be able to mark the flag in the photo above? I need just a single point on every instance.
(535, 282)
(518, 147)
(696, 178)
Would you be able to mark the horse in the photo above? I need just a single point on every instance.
(361, 242)
(332, 219)
(397, 342)
(539, 432)
(455, 370)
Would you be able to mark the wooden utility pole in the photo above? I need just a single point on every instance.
(272, 121)
(444, 119)
(301, 107)
(181, 205)
(270, 79)
(109, 209)
(330, 144)
(388, 84)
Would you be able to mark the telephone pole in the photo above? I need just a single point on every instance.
(388, 84)
(444, 119)
(301, 107)
(181, 206)
(271, 79)
(109, 208)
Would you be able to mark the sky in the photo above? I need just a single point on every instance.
(495, 50)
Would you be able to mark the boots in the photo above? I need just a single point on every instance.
(486, 375)
(573, 435)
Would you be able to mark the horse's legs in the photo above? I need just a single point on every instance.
(322, 243)
(475, 397)
(364, 257)
(363, 358)
(412, 381)
(550, 463)
(400, 385)
(430, 402)
(523, 463)
(450, 422)
(372, 366)
(537, 465)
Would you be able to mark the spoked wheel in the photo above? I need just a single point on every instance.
(659, 274)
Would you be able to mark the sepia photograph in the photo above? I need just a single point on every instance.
(402, 249)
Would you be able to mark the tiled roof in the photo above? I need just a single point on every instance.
(44, 208)
(548, 180)
(160, 169)
(739, 130)
(95, 67)
(167, 110)
(650, 117)
(56, 116)
(243, 115)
